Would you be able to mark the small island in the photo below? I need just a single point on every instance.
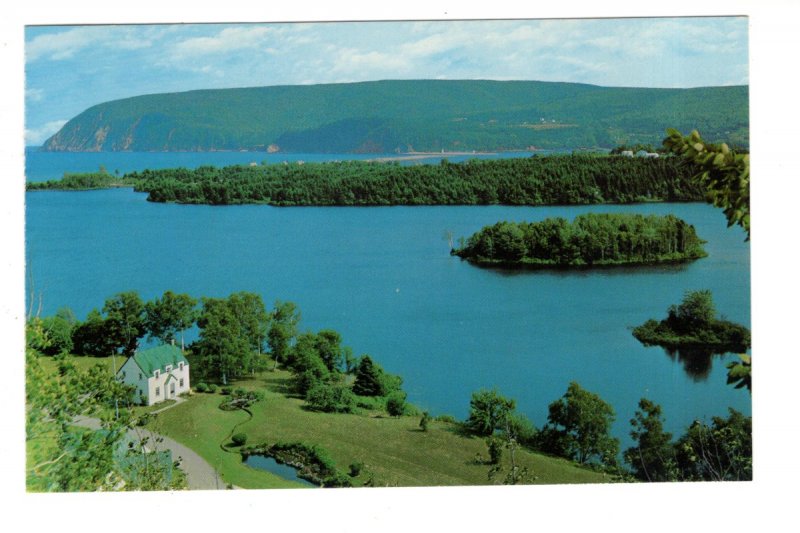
(693, 324)
(590, 240)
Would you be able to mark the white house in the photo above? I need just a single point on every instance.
(158, 374)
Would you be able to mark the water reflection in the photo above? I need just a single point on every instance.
(585, 271)
(697, 361)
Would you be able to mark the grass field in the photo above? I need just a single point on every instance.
(394, 451)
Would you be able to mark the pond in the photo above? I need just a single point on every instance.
(272, 466)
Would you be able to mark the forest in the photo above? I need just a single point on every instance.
(591, 239)
(552, 180)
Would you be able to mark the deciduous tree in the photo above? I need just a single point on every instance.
(223, 349)
(584, 421)
(169, 315)
(282, 330)
(488, 411)
(124, 321)
(653, 457)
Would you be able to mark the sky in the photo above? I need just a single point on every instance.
(70, 68)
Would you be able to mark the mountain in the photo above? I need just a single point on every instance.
(406, 115)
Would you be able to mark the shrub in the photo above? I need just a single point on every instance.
(331, 398)
(423, 422)
(495, 446)
(239, 439)
(239, 392)
(370, 403)
(201, 387)
(449, 419)
(355, 468)
(396, 403)
(213, 388)
(313, 463)
(226, 390)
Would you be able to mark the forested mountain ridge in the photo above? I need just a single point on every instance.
(405, 116)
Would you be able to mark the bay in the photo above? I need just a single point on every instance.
(384, 279)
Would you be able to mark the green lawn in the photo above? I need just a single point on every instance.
(395, 452)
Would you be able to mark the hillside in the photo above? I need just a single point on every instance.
(405, 116)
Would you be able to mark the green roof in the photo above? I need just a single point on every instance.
(159, 357)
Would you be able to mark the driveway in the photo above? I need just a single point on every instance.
(199, 474)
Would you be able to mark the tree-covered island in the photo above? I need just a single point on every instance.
(589, 240)
(694, 323)
(552, 180)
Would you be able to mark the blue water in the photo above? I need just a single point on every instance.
(43, 166)
(384, 279)
(271, 465)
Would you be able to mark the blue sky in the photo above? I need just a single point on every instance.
(70, 68)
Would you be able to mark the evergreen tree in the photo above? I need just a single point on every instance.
(369, 379)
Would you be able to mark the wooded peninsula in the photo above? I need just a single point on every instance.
(591, 239)
(553, 180)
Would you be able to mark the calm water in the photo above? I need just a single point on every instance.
(271, 465)
(43, 166)
(384, 279)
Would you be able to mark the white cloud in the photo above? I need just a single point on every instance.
(226, 40)
(34, 95)
(66, 44)
(37, 136)
(352, 62)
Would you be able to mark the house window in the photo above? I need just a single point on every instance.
(140, 376)
(156, 373)
(181, 383)
(168, 368)
(180, 366)
(158, 391)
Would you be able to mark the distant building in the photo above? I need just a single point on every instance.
(158, 374)
(627, 153)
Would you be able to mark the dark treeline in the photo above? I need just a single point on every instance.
(551, 180)
(591, 239)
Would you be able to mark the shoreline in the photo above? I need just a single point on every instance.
(410, 156)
